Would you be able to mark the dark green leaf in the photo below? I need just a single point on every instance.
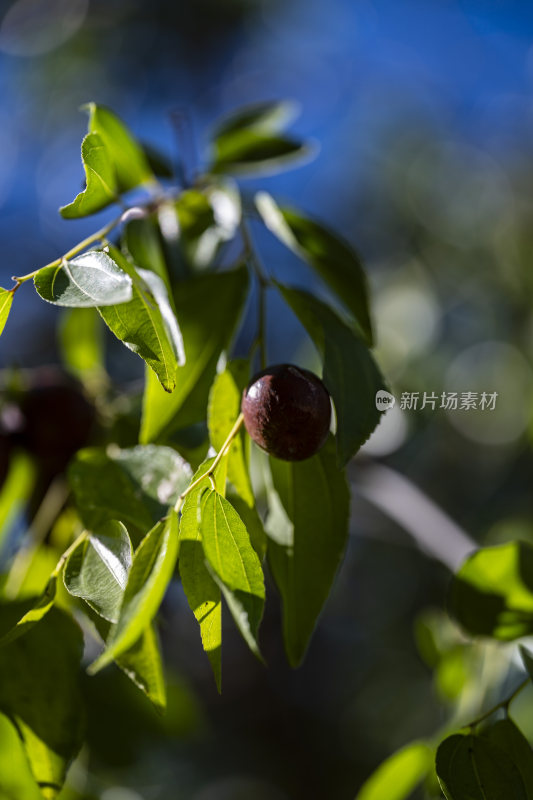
(147, 324)
(267, 117)
(472, 768)
(125, 154)
(157, 161)
(90, 280)
(6, 300)
(331, 257)
(350, 373)
(39, 692)
(398, 776)
(505, 735)
(209, 308)
(135, 485)
(234, 564)
(249, 151)
(308, 530)
(97, 570)
(492, 593)
(223, 409)
(101, 184)
(203, 594)
(142, 662)
(150, 574)
(18, 617)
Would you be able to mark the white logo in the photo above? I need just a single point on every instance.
(384, 400)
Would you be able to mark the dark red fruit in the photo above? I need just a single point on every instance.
(287, 412)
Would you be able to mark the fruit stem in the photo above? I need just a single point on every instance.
(210, 474)
(100, 234)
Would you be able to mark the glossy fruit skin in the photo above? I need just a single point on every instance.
(287, 412)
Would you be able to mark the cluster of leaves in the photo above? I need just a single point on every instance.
(491, 599)
(181, 502)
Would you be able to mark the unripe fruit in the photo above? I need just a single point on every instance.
(287, 412)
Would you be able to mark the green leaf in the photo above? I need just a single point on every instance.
(350, 373)
(147, 324)
(308, 530)
(97, 570)
(135, 485)
(235, 565)
(527, 658)
(16, 780)
(331, 257)
(81, 340)
(141, 240)
(101, 184)
(492, 593)
(18, 617)
(246, 151)
(209, 308)
(150, 574)
(15, 491)
(142, 662)
(90, 280)
(6, 301)
(202, 592)
(267, 117)
(252, 522)
(125, 154)
(505, 735)
(39, 692)
(398, 776)
(223, 409)
(473, 768)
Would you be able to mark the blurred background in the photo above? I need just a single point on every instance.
(424, 117)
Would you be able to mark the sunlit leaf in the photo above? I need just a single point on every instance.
(6, 300)
(209, 309)
(97, 570)
(142, 662)
(234, 564)
(90, 280)
(492, 593)
(150, 574)
(223, 409)
(202, 592)
(267, 117)
(15, 491)
(135, 485)
(250, 151)
(329, 255)
(146, 324)
(18, 617)
(101, 183)
(308, 530)
(350, 373)
(473, 768)
(16, 780)
(398, 776)
(39, 692)
(125, 154)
